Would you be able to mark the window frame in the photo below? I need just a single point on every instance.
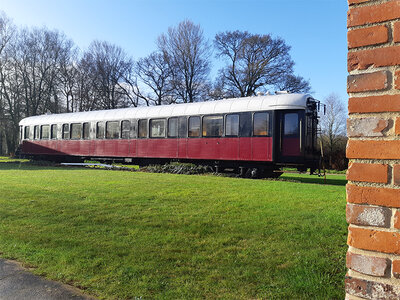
(268, 124)
(295, 135)
(128, 131)
(202, 126)
(183, 127)
(165, 128)
(177, 127)
(71, 131)
(238, 125)
(89, 125)
(98, 137)
(53, 137)
(36, 132)
(27, 132)
(41, 132)
(64, 131)
(188, 127)
(145, 121)
(118, 128)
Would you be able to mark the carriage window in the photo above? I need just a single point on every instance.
(194, 126)
(291, 125)
(20, 132)
(76, 131)
(112, 130)
(125, 129)
(53, 131)
(173, 127)
(100, 130)
(36, 132)
(182, 130)
(65, 131)
(232, 125)
(86, 131)
(142, 129)
(261, 122)
(26, 132)
(157, 128)
(45, 132)
(213, 126)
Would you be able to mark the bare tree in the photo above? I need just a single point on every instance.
(37, 57)
(107, 67)
(7, 32)
(30, 75)
(68, 78)
(294, 84)
(84, 87)
(187, 54)
(155, 74)
(333, 126)
(253, 62)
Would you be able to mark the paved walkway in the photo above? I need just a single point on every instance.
(17, 283)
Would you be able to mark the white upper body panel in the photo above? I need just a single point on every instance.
(256, 103)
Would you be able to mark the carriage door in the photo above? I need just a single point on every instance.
(290, 132)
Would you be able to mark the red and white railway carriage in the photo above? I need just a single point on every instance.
(257, 134)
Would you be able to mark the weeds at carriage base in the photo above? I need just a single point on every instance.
(121, 235)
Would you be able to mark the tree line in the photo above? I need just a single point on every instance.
(43, 71)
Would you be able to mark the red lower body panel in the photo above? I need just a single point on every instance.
(240, 149)
(291, 147)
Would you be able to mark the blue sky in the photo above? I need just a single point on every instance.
(315, 29)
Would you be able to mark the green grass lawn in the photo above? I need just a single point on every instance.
(121, 235)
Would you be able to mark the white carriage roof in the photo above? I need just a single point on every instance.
(256, 103)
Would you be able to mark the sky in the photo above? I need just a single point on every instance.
(315, 29)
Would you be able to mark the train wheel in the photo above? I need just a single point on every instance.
(252, 173)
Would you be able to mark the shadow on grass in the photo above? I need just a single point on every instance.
(44, 165)
(330, 180)
(29, 166)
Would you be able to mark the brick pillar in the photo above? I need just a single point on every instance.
(373, 191)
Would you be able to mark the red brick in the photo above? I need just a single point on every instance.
(396, 32)
(367, 82)
(397, 219)
(396, 174)
(396, 268)
(368, 172)
(365, 215)
(397, 79)
(368, 127)
(385, 103)
(371, 290)
(370, 265)
(373, 14)
(372, 195)
(374, 240)
(367, 36)
(373, 149)
(379, 57)
(397, 126)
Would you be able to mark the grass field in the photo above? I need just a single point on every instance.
(121, 235)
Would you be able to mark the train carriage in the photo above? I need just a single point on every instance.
(254, 135)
